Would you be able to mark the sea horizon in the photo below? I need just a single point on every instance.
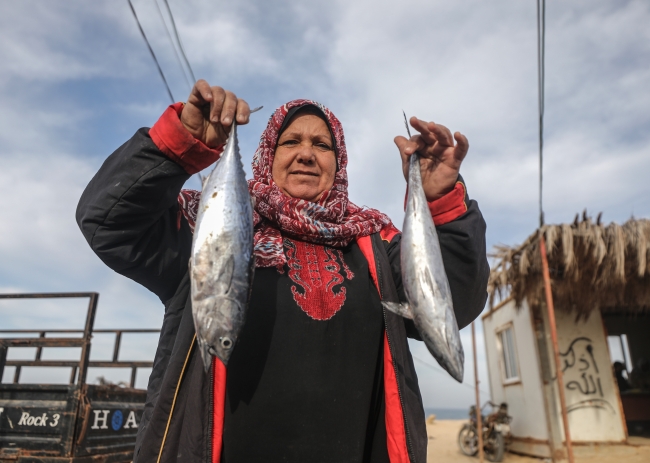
(447, 413)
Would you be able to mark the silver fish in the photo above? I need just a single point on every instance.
(222, 262)
(425, 282)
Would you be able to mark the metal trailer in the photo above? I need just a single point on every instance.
(75, 422)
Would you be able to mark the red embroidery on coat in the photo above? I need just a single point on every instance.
(348, 273)
(316, 272)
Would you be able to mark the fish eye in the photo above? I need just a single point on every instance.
(226, 342)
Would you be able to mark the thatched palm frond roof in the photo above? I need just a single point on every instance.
(593, 267)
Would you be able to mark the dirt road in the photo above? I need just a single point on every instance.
(443, 448)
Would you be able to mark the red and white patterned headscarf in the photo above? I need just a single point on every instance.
(332, 221)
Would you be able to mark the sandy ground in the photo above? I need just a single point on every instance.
(443, 448)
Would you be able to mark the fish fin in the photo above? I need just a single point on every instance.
(400, 308)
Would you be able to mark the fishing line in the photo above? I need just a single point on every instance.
(541, 38)
(178, 38)
(440, 370)
(153, 55)
(171, 40)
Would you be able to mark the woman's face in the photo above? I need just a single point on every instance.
(305, 162)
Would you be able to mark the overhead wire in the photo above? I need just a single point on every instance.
(187, 62)
(171, 40)
(541, 39)
(440, 370)
(153, 55)
(178, 39)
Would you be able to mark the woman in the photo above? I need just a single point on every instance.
(320, 372)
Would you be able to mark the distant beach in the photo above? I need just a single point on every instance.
(448, 413)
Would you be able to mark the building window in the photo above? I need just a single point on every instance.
(619, 351)
(507, 340)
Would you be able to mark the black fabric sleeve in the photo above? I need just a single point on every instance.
(462, 243)
(129, 215)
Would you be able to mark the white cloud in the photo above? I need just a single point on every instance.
(61, 41)
(43, 250)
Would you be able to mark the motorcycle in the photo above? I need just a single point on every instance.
(496, 432)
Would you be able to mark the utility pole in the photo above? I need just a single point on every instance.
(556, 349)
(479, 418)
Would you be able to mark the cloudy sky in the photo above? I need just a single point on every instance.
(76, 81)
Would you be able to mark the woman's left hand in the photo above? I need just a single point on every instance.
(440, 159)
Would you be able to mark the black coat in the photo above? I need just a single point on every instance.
(130, 216)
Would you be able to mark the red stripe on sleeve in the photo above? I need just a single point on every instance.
(395, 430)
(449, 207)
(218, 404)
(179, 145)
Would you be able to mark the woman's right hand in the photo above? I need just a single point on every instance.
(209, 112)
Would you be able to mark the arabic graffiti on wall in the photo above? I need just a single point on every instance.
(582, 376)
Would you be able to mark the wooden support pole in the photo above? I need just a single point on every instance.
(116, 349)
(479, 418)
(556, 349)
(3, 360)
(134, 371)
(39, 350)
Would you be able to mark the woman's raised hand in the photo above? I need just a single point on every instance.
(440, 158)
(209, 112)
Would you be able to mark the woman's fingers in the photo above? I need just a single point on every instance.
(407, 147)
(462, 146)
(422, 127)
(210, 111)
(224, 106)
(402, 143)
(435, 144)
(432, 132)
(201, 93)
(229, 108)
(442, 134)
(243, 112)
(218, 99)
